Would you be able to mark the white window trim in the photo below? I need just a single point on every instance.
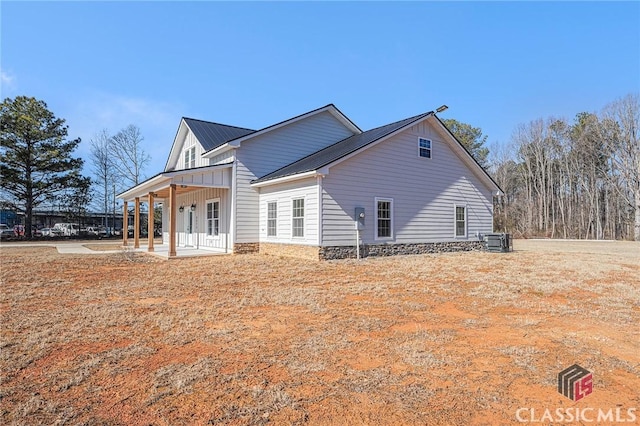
(375, 219)
(276, 218)
(304, 217)
(189, 153)
(430, 149)
(206, 219)
(455, 221)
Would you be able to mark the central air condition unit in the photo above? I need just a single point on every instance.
(498, 243)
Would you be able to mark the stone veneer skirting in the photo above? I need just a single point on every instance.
(371, 250)
(347, 252)
(246, 248)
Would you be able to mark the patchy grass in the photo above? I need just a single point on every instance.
(460, 338)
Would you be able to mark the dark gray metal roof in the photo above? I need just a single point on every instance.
(338, 150)
(212, 135)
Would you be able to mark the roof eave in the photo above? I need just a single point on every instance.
(285, 179)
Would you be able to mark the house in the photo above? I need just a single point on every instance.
(312, 185)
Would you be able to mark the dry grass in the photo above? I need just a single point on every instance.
(462, 338)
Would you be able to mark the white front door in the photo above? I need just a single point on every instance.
(188, 226)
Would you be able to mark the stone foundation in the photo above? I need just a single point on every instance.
(246, 248)
(372, 250)
(290, 250)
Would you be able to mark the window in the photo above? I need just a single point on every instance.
(272, 219)
(213, 218)
(298, 217)
(461, 221)
(384, 218)
(190, 158)
(424, 147)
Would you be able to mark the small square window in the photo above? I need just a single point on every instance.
(424, 146)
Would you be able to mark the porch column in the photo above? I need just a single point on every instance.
(125, 224)
(172, 220)
(151, 231)
(136, 224)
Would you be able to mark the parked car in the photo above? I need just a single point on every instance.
(51, 232)
(98, 231)
(6, 232)
(67, 229)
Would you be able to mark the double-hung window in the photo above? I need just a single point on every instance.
(272, 219)
(190, 158)
(384, 218)
(424, 147)
(461, 221)
(298, 218)
(213, 218)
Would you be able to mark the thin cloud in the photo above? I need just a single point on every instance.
(7, 80)
(157, 120)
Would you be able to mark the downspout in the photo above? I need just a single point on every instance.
(232, 221)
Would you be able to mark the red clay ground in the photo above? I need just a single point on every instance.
(464, 338)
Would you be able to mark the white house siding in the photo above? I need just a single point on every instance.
(200, 239)
(261, 155)
(284, 194)
(424, 192)
(189, 140)
(224, 158)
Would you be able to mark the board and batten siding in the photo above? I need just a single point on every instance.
(424, 192)
(264, 154)
(284, 195)
(188, 141)
(200, 238)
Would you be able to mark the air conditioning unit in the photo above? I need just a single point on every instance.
(498, 243)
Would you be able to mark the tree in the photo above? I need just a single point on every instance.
(471, 137)
(76, 199)
(36, 161)
(625, 151)
(129, 157)
(103, 169)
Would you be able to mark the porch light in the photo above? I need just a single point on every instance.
(193, 207)
(181, 209)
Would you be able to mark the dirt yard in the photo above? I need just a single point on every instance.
(458, 339)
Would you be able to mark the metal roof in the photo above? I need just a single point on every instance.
(212, 135)
(338, 150)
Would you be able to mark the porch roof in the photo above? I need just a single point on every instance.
(185, 180)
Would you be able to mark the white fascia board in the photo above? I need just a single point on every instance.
(196, 171)
(221, 149)
(180, 134)
(285, 179)
(344, 120)
(144, 188)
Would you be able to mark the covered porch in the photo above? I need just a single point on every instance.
(196, 211)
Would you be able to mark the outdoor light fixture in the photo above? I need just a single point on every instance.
(193, 207)
(181, 209)
(442, 108)
(183, 186)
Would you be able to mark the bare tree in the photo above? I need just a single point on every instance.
(102, 151)
(625, 151)
(130, 159)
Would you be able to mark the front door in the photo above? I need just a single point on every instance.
(189, 228)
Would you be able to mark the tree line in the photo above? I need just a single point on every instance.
(38, 165)
(578, 179)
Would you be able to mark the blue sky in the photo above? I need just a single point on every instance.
(497, 64)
